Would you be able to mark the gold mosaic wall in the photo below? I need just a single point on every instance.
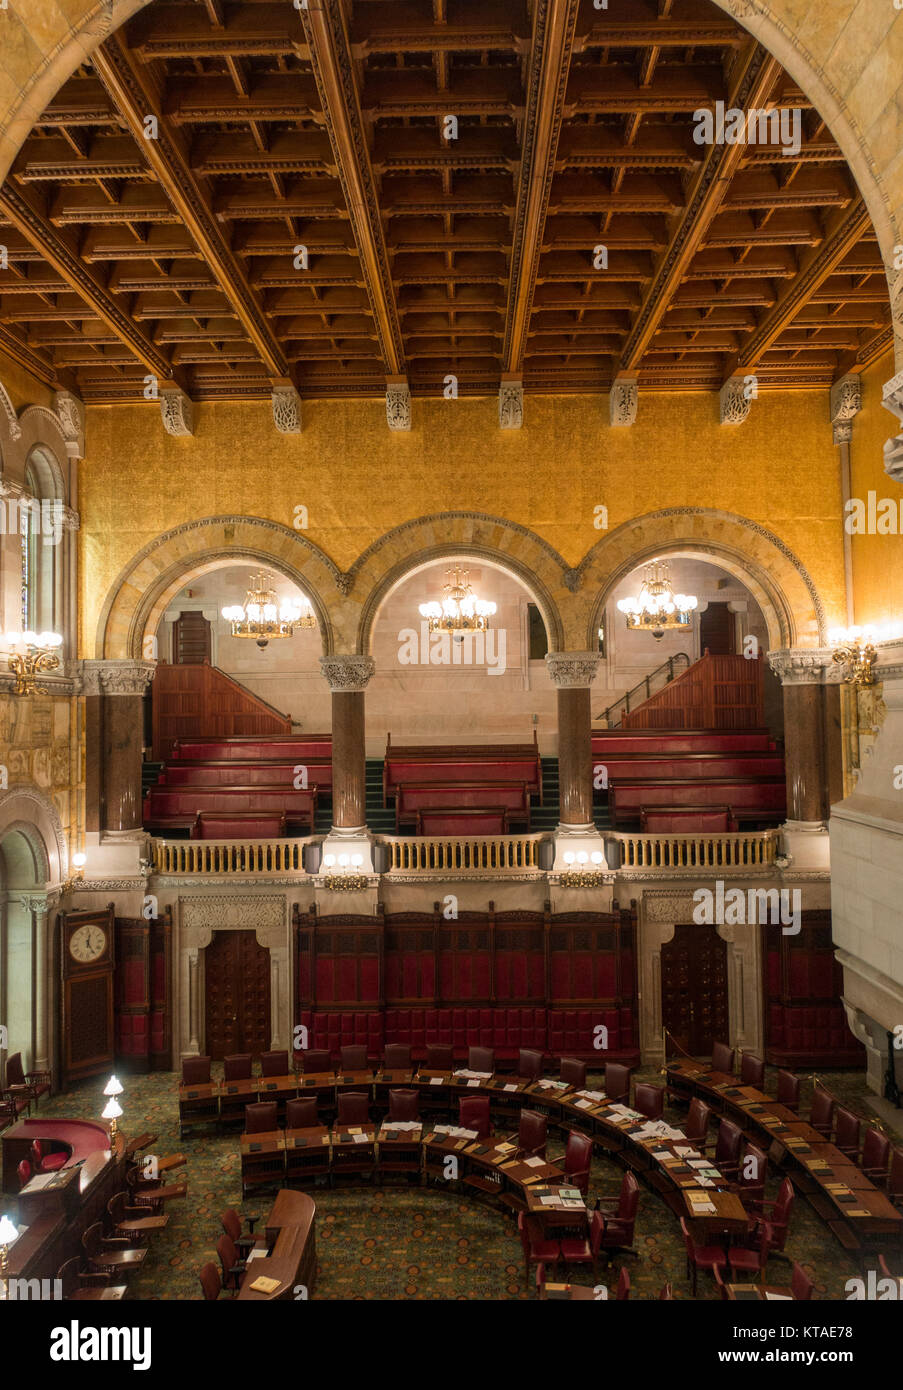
(877, 560)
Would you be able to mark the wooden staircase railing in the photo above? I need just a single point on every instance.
(716, 692)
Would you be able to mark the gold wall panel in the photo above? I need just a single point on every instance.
(877, 560)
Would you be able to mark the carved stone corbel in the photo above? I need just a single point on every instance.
(734, 401)
(892, 400)
(623, 400)
(398, 405)
(177, 411)
(511, 405)
(70, 412)
(286, 405)
(846, 403)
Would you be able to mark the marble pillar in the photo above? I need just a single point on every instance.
(572, 674)
(804, 673)
(348, 675)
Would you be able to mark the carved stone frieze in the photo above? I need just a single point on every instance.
(177, 411)
(511, 405)
(398, 407)
(286, 409)
(347, 672)
(805, 666)
(573, 670)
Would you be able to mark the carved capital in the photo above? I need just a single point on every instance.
(70, 412)
(177, 411)
(286, 409)
(623, 399)
(398, 406)
(846, 403)
(804, 666)
(734, 401)
(347, 673)
(511, 405)
(115, 677)
(573, 670)
(892, 400)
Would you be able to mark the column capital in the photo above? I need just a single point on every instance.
(573, 670)
(805, 666)
(348, 672)
(70, 410)
(846, 403)
(115, 677)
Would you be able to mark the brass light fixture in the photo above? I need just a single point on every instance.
(656, 608)
(29, 654)
(583, 877)
(262, 618)
(460, 610)
(349, 878)
(78, 864)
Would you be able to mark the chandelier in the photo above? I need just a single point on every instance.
(460, 609)
(30, 653)
(263, 617)
(656, 608)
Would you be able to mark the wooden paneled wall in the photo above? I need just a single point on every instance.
(716, 692)
(203, 702)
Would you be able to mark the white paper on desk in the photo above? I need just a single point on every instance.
(401, 1124)
(686, 1152)
(549, 1201)
(555, 1085)
(592, 1095)
(436, 1080)
(474, 1081)
(361, 1138)
(534, 1162)
(570, 1203)
(40, 1180)
(699, 1163)
(476, 1075)
(705, 1182)
(258, 1253)
(510, 1087)
(779, 1297)
(583, 1104)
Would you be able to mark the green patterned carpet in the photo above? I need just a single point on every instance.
(418, 1243)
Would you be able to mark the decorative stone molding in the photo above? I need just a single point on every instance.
(286, 409)
(177, 411)
(846, 403)
(116, 677)
(110, 885)
(892, 400)
(70, 412)
(667, 907)
(262, 913)
(347, 673)
(71, 520)
(9, 410)
(734, 401)
(623, 400)
(573, 670)
(805, 666)
(511, 405)
(398, 406)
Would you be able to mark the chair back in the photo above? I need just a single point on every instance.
(23, 1171)
(617, 1082)
(573, 1072)
(301, 1113)
(440, 1056)
(822, 1113)
(481, 1059)
(92, 1239)
(649, 1099)
(115, 1208)
(623, 1285)
(727, 1148)
(228, 1255)
(846, 1133)
(532, 1132)
(397, 1056)
(788, 1089)
(238, 1067)
(875, 1154)
(697, 1126)
(722, 1057)
(629, 1201)
(578, 1156)
(404, 1105)
(752, 1070)
(15, 1075)
(230, 1222)
(895, 1177)
(473, 1113)
(353, 1108)
(210, 1281)
(529, 1062)
(195, 1071)
(274, 1063)
(780, 1215)
(261, 1117)
(316, 1059)
(753, 1174)
(801, 1285)
(354, 1057)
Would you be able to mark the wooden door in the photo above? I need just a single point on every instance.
(694, 989)
(717, 630)
(237, 976)
(190, 639)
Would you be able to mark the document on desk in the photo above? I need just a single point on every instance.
(436, 1080)
(534, 1162)
(511, 1086)
(474, 1081)
(778, 1297)
(361, 1138)
(699, 1163)
(258, 1253)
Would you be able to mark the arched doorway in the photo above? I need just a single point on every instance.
(20, 954)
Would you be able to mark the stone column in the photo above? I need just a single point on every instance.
(38, 905)
(194, 1011)
(572, 674)
(846, 403)
(114, 724)
(803, 674)
(348, 676)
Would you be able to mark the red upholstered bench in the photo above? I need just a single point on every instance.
(252, 749)
(763, 798)
(462, 820)
(412, 797)
(692, 765)
(232, 774)
(163, 804)
(254, 825)
(617, 741)
(445, 770)
(683, 820)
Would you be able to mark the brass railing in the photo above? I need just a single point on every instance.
(427, 854)
(755, 849)
(212, 857)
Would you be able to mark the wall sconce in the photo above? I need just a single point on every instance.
(855, 651)
(78, 864)
(583, 877)
(29, 653)
(349, 878)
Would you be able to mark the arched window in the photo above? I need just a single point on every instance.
(41, 532)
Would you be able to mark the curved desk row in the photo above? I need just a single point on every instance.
(83, 1140)
(290, 1261)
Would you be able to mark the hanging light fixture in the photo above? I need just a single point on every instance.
(855, 648)
(460, 609)
(656, 608)
(30, 653)
(263, 617)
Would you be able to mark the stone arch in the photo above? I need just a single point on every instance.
(466, 535)
(779, 582)
(144, 587)
(27, 811)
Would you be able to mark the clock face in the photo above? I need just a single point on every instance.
(87, 943)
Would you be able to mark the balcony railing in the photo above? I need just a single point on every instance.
(243, 857)
(755, 849)
(429, 854)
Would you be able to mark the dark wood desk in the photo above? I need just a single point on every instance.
(80, 1139)
(353, 1149)
(262, 1159)
(290, 1237)
(757, 1293)
(306, 1153)
(198, 1105)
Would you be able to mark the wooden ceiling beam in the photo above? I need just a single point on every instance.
(35, 362)
(135, 97)
(332, 63)
(872, 347)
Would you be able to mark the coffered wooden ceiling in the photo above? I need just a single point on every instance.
(429, 256)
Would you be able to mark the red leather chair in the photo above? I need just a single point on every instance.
(696, 1129)
(722, 1058)
(353, 1057)
(578, 1156)
(846, 1133)
(584, 1250)
(617, 1082)
(752, 1071)
(47, 1162)
(573, 1072)
(353, 1108)
(537, 1249)
(473, 1113)
(774, 1222)
(316, 1059)
(233, 1268)
(617, 1227)
(788, 1090)
(747, 1262)
(26, 1085)
(211, 1284)
(440, 1056)
(821, 1115)
(301, 1113)
(895, 1178)
(231, 1224)
(751, 1179)
(720, 1284)
(274, 1063)
(727, 1148)
(801, 1285)
(404, 1105)
(261, 1117)
(481, 1059)
(532, 1133)
(875, 1156)
(397, 1057)
(23, 1171)
(700, 1256)
(623, 1285)
(195, 1071)
(238, 1067)
(529, 1063)
(649, 1099)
